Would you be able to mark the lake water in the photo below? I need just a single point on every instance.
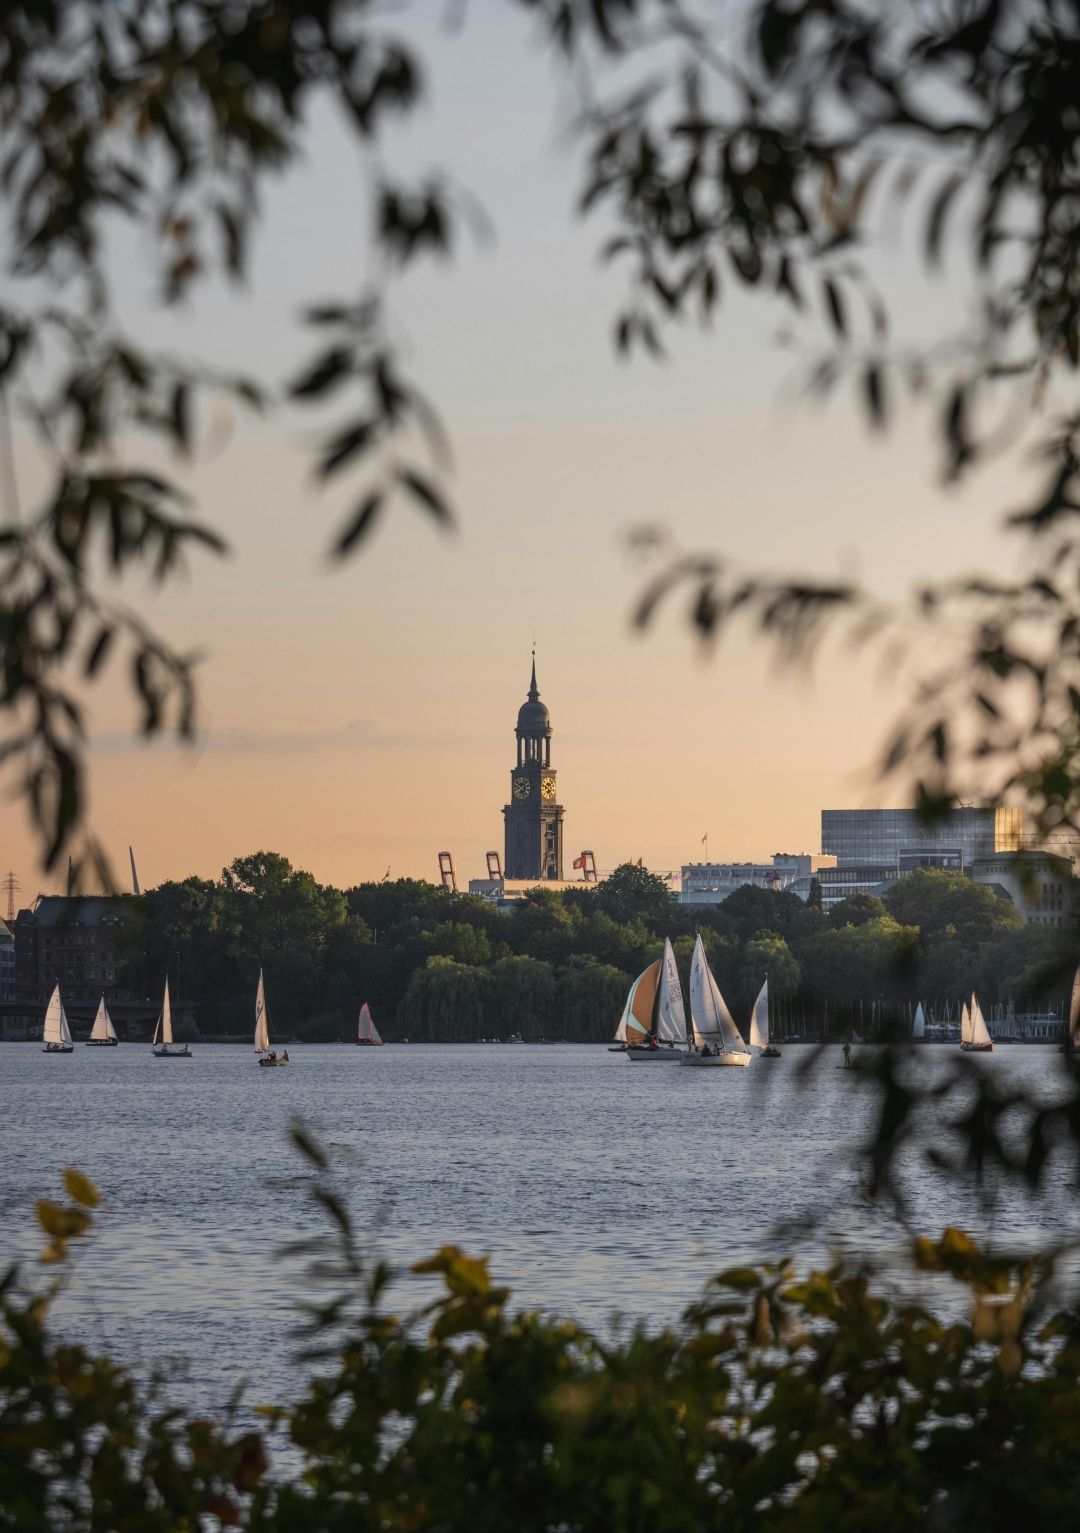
(594, 1183)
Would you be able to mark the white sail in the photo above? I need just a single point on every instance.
(965, 1024)
(622, 1034)
(759, 1019)
(710, 1019)
(102, 1030)
(56, 1022)
(368, 1032)
(1074, 1013)
(918, 1027)
(670, 1012)
(262, 1019)
(979, 1030)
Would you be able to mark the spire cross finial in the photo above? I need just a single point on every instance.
(533, 693)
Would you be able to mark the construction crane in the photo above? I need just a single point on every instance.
(494, 865)
(11, 887)
(446, 872)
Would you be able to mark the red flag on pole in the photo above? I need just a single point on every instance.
(579, 862)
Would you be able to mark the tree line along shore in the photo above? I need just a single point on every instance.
(453, 968)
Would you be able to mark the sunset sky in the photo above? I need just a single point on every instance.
(361, 718)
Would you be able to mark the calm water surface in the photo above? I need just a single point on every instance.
(595, 1184)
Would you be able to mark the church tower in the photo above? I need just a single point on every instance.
(533, 819)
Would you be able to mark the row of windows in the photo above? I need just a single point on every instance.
(868, 835)
(72, 976)
(72, 939)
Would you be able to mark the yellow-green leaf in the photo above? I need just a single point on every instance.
(81, 1188)
(956, 1242)
(51, 1217)
(463, 1274)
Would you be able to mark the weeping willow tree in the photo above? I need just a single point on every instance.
(589, 999)
(446, 1001)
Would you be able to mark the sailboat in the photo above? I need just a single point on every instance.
(56, 1036)
(367, 1032)
(102, 1034)
(654, 1013)
(918, 1027)
(974, 1035)
(759, 1024)
(717, 1041)
(634, 1031)
(621, 1039)
(163, 1045)
(267, 1055)
(671, 1025)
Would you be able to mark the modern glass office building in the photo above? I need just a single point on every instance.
(884, 836)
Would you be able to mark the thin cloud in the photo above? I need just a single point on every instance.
(358, 734)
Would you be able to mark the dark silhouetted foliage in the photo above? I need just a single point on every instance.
(558, 964)
(765, 153)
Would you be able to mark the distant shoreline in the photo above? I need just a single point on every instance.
(588, 1043)
(335, 1043)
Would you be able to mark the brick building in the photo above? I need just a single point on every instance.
(83, 943)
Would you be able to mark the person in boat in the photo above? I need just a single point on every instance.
(285, 1056)
(653, 1043)
(272, 1056)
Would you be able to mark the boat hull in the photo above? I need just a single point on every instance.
(654, 1056)
(272, 1064)
(977, 1048)
(367, 1043)
(102, 1043)
(58, 1048)
(770, 1053)
(712, 1061)
(167, 1053)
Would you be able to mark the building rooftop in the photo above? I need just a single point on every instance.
(1035, 856)
(79, 910)
(533, 716)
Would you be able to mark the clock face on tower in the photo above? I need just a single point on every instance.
(521, 787)
(547, 787)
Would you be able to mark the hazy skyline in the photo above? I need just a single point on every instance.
(362, 718)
